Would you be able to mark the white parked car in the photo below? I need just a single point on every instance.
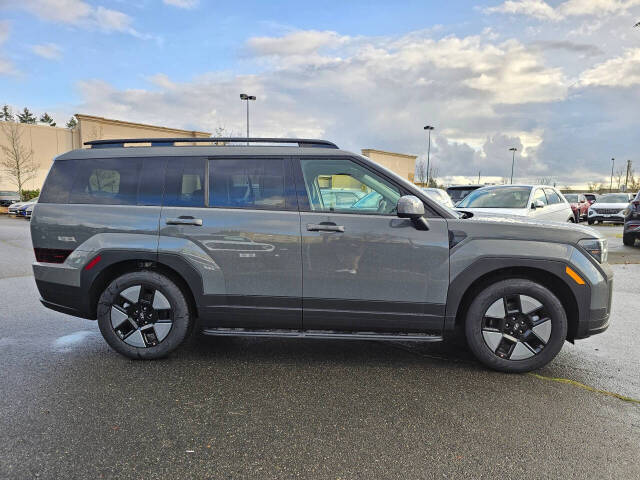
(609, 208)
(13, 208)
(439, 195)
(29, 211)
(533, 201)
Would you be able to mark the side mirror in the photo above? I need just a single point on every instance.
(410, 206)
(537, 204)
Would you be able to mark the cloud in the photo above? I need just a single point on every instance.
(541, 10)
(364, 92)
(6, 66)
(295, 43)
(78, 13)
(585, 49)
(50, 51)
(622, 71)
(188, 4)
(533, 8)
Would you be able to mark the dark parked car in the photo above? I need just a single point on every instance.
(591, 197)
(156, 241)
(458, 192)
(631, 231)
(579, 205)
(8, 198)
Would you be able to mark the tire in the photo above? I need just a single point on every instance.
(590, 222)
(628, 240)
(485, 331)
(123, 323)
(571, 220)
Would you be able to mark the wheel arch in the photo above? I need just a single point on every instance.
(181, 273)
(462, 294)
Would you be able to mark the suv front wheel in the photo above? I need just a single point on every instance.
(143, 315)
(515, 325)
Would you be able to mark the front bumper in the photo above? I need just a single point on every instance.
(606, 218)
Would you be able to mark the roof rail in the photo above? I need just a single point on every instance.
(169, 142)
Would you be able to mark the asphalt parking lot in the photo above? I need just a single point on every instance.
(241, 408)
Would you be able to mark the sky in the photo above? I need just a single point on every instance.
(558, 80)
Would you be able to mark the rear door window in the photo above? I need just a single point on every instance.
(184, 182)
(250, 183)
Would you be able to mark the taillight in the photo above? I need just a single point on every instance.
(51, 255)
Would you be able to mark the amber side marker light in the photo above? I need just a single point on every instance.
(576, 278)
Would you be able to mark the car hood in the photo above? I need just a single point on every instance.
(522, 227)
(521, 212)
(621, 206)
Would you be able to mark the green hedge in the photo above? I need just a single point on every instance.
(29, 194)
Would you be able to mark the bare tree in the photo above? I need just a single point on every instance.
(594, 187)
(421, 172)
(619, 175)
(433, 177)
(16, 160)
(544, 180)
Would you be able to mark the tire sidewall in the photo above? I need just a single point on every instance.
(479, 306)
(181, 319)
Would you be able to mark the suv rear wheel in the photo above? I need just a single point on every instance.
(628, 239)
(143, 315)
(516, 325)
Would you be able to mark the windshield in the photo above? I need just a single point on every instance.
(571, 197)
(613, 198)
(497, 197)
(458, 194)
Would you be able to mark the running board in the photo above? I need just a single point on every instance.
(322, 334)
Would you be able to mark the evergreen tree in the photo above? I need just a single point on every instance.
(72, 123)
(47, 119)
(5, 114)
(26, 116)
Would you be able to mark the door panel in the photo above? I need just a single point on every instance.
(249, 257)
(379, 274)
(364, 269)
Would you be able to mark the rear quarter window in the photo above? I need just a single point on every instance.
(114, 181)
(58, 184)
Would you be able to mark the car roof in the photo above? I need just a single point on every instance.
(200, 150)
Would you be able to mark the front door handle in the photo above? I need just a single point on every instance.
(324, 227)
(184, 220)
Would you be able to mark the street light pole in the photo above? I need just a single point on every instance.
(513, 161)
(613, 162)
(244, 96)
(428, 128)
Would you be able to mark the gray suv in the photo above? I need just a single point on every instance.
(156, 240)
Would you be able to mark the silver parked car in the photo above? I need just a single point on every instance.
(439, 195)
(241, 240)
(540, 202)
(609, 208)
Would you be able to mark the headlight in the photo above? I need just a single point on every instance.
(596, 247)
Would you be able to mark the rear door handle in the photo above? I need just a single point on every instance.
(184, 220)
(322, 227)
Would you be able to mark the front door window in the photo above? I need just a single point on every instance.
(343, 186)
